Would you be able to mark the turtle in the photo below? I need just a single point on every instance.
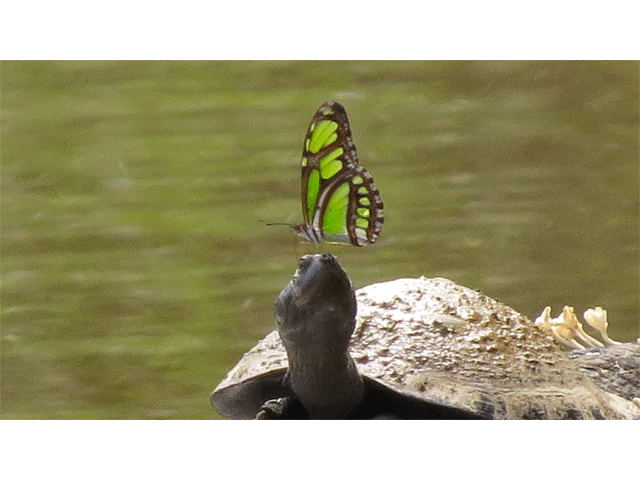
(422, 348)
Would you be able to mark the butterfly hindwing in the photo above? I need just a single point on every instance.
(340, 202)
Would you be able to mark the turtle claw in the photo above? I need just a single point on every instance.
(276, 409)
(597, 318)
(566, 328)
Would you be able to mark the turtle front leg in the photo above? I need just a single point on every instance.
(283, 408)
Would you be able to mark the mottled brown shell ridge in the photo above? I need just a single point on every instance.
(432, 338)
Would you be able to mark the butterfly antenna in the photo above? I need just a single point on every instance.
(269, 224)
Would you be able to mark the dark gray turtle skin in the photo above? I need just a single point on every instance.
(614, 368)
(418, 348)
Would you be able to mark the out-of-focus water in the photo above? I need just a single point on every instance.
(136, 264)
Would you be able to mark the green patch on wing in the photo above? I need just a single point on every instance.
(323, 133)
(313, 187)
(329, 166)
(335, 218)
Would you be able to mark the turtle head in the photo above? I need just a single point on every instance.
(316, 315)
(317, 309)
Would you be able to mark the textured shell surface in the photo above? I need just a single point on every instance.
(432, 338)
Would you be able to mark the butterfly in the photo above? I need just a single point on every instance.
(340, 202)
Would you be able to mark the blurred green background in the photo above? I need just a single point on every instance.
(136, 264)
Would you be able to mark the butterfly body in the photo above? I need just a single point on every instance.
(340, 202)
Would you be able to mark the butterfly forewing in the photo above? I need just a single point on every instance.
(340, 202)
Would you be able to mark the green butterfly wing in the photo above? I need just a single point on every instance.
(340, 202)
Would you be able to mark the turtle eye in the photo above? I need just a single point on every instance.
(304, 262)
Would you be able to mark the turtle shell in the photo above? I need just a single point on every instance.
(437, 342)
